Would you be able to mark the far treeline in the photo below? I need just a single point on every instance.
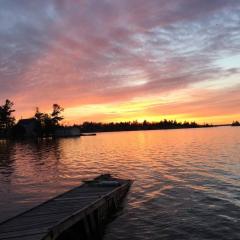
(236, 123)
(45, 124)
(135, 125)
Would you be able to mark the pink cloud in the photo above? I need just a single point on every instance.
(88, 52)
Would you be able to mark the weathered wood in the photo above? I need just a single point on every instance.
(81, 211)
(26, 237)
(22, 234)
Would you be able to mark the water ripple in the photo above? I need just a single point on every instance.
(187, 182)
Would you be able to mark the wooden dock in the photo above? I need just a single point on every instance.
(80, 213)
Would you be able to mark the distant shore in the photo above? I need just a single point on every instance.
(91, 127)
(92, 131)
(83, 130)
(47, 125)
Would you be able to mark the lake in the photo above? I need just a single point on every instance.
(187, 181)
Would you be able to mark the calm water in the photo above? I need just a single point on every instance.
(187, 182)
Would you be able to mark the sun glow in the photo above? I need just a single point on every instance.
(124, 65)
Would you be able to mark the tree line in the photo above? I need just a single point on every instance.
(45, 123)
(235, 123)
(135, 125)
(48, 122)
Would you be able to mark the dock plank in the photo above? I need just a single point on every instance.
(50, 220)
(24, 235)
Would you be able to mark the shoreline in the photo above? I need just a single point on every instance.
(93, 133)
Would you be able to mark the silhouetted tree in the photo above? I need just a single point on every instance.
(56, 114)
(39, 116)
(235, 123)
(48, 126)
(48, 122)
(6, 119)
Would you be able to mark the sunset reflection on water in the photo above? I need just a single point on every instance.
(186, 181)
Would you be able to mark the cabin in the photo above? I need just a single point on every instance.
(28, 127)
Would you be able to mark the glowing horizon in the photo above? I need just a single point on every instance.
(107, 61)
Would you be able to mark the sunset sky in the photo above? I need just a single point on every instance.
(118, 60)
